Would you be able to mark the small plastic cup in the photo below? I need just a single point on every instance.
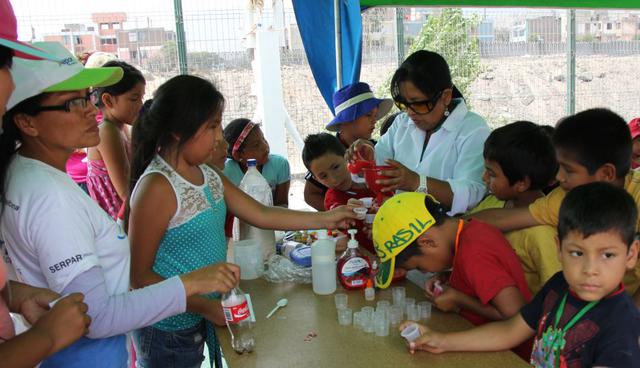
(396, 315)
(411, 332)
(368, 323)
(368, 311)
(399, 294)
(425, 310)
(344, 316)
(367, 201)
(357, 319)
(409, 301)
(369, 217)
(361, 212)
(341, 301)
(383, 304)
(413, 314)
(381, 324)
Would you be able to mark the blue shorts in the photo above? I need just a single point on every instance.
(170, 349)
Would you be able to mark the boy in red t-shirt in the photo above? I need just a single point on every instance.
(323, 155)
(413, 231)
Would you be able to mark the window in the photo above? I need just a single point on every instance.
(78, 40)
(609, 26)
(133, 37)
(104, 25)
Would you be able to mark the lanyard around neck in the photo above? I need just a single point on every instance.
(457, 243)
(575, 318)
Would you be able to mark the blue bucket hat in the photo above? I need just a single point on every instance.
(354, 100)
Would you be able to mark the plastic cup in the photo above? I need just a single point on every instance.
(399, 294)
(411, 332)
(357, 319)
(397, 313)
(361, 212)
(367, 201)
(413, 314)
(341, 301)
(344, 316)
(381, 323)
(369, 217)
(368, 325)
(368, 311)
(425, 310)
(383, 304)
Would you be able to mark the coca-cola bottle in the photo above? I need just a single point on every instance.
(238, 317)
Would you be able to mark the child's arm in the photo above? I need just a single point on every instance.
(281, 196)
(314, 196)
(253, 212)
(113, 151)
(494, 336)
(507, 219)
(504, 305)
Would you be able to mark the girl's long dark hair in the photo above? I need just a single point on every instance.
(179, 108)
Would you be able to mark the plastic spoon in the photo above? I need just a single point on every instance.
(280, 304)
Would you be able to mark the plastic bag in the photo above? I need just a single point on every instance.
(280, 269)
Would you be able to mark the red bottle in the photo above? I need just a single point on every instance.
(353, 266)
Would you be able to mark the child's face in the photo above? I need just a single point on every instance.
(571, 173)
(201, 146)
(331, 171)
(219, 155)
(363, 126)
(125, 107)
(595, 266)
(436, 252)
(635, 153)
(255, 147)
(497, 182)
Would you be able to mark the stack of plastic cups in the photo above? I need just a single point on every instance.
(399, 296)
(409, 302)
(425, 310)
(367, 318)
(344, 316)
(381, 323)
(413, 314)
(397, 314)
(384, 305)
(357, 320)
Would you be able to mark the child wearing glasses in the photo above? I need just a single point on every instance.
(436, 144)
(109, 161)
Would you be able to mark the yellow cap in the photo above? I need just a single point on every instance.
(398, 223)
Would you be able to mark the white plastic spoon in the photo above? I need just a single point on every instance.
(280, 304)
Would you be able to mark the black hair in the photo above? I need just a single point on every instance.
(11, 139)
(439, 213)
(596, 137)
(6, 57)
(232, 131)
(317, 145)
(427, 70)
(598, 207)
(180, 107)
(130, 78)
(387, 123)
(523, 149)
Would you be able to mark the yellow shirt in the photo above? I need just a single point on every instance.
(535, 246)
(545, 211)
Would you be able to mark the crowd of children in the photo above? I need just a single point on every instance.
(530, 231)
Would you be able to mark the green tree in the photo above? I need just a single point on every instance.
(451, 35)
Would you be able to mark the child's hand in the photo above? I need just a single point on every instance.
(447, 301)
(430, 341)
(435, 285)
(220, 277)
(362, 149)
(341, 217)
(65, 323)
(355, 202)
(215, 314)
(36, 304)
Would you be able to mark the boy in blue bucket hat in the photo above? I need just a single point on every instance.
(356, 111)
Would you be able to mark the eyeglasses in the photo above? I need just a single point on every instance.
(68, 105)
(419, 107)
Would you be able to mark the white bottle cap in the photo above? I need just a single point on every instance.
(322, 234)
(352, 243)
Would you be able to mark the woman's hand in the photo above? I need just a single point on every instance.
(65, 323)
(219, 277)
(362, 150)
(341, 217)
(36, 304)
(401, 178)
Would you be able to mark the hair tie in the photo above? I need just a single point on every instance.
(241, 138)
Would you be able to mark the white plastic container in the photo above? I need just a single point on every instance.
(255, 185)
(248, 255)
(323, 264)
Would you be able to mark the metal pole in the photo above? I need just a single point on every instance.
(180, 41)
(400, 35)
(338, 31)
(570, 108)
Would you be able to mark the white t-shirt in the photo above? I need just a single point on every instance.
(53, 231)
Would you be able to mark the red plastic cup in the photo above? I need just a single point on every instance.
(358, 166)
(371, 174)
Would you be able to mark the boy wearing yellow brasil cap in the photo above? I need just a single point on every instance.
(413, 231)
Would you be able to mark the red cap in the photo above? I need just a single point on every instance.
(634, 128)
(9, 36)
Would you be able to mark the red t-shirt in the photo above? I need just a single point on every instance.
(484, 265)
(334, 198)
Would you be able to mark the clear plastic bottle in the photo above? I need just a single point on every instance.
(255, 185)
(353, 266)
(238, 318)
(323, 264)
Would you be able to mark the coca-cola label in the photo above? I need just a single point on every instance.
(236, 313)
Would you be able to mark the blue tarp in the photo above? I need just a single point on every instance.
(316, 22)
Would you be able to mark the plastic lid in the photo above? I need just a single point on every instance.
(322, 234)
(252, 162)
(352, 243)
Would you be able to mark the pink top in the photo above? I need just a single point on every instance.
(76, 167)
(6, 324)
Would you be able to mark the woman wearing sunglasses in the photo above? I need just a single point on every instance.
(436, 144)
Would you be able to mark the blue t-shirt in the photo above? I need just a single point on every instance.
(276, 171)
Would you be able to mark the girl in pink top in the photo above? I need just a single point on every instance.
(108, 165)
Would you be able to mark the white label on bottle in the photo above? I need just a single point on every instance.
(236, 313)
(352, 266)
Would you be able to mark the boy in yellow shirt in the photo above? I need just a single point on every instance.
(592, 145)
(519, 162)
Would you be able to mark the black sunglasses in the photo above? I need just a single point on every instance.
(68, 105)
(419, 107)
